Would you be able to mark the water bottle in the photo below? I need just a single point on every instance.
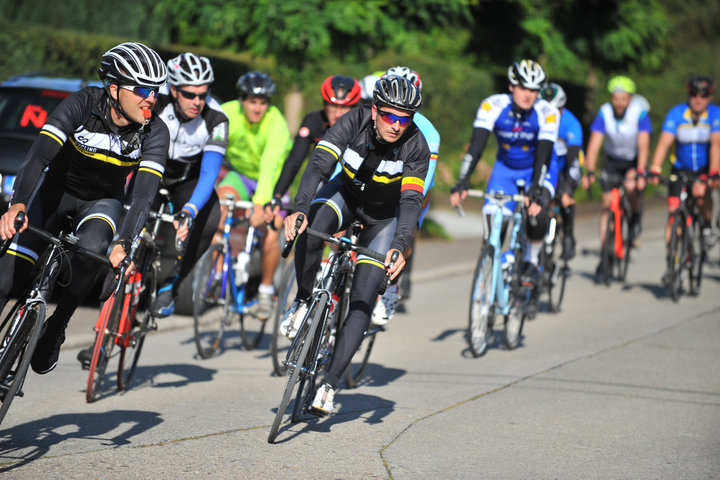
(507, 259)
(241, 268)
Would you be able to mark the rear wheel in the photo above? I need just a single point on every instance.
(675, 260)
(107, 330)
(558, 273)
(280, 343)
(696, 258)
(213, 302)
(627, 246)
(481, 304)
(17, 348)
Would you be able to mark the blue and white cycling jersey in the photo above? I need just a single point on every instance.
(621, 133)
(517, 137)
(569, 135)
(692, 140)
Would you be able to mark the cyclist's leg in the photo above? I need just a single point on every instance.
(368, 277)
(95, 225)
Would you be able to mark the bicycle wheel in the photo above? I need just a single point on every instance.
(104, 341)
(626, 236)
(515, 320)
(298, 356)
(607, 253)
(481, 304)
(252, 330)
(279, 343)
(558, 273)
(212, 302)
(16, 349)
(675, 258)
(696, 258)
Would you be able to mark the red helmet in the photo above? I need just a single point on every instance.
(341, 90)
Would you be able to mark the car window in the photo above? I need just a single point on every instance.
(24, 111)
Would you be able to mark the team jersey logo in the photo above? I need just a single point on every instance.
(304, 132)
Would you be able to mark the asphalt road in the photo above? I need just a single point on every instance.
(623, 383)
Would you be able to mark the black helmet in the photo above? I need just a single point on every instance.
(399, 92)
(133, 64)
(700, 85)
(256, 83)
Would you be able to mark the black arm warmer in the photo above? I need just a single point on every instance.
(543, 152)
(478, 141)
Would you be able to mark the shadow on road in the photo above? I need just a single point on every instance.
(25, 443)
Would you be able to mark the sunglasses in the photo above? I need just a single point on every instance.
(143, 92)
(698, 94)
(192, 96)
(391, 118)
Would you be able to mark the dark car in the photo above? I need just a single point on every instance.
(25, 103)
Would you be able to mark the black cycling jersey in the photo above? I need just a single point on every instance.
(387, 179)
(89, 157)
(190, 139)
(311, 130)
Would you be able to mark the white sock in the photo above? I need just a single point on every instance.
(533, 252)
(269, 289)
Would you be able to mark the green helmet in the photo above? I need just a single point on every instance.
(621, 83)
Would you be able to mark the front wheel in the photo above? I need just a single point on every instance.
(558, 273)
(675, 260)
(107, 330)
(212, 300)
(20, 333)
(481, 304)
(607, 252)
(515, 320)
(626, 236)
(696, 258)
(279, 343)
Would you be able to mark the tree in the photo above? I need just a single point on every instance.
(300, 33)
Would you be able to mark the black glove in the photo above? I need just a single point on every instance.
(461, 186)
(535, 193)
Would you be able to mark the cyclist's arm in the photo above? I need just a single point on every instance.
(209, 171)
(714, 163)
(478, 142)
(543, 153)
(572, 165)
(45, 147)
(593, 150)
(274, 153)
(661, 149)
(643, 142)
(301, 147)
(411, 193)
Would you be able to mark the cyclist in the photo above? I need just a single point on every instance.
(199, 132)
(258, 144)
(694, 128)
(340, 94)
(625, 122)
(78, 166)
(399, 291)
(568, 160)
(384, 163)
(526, 128)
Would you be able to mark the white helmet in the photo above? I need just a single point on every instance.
(133, 64)
(367, 85)
(554, 93)
(190, 69)
(406, 72)
(527, 73)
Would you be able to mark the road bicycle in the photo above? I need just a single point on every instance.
(554, 270)
(617, 244)
(125, 319)
(497, 288)
(686, 250)
(312, 348)
(225, 287)
(20, 329)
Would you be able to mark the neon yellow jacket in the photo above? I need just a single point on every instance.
(258, 150)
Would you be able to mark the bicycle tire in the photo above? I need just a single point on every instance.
(212, 305)
(675, 258)
(18, 350)
(302, 342)
(558, 273)
(279, 343)
(481, 304)
(104, 342)
(626, 236)
(607, 253)
(515, 319)
(696, 258)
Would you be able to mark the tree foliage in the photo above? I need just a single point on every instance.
(299, 34)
